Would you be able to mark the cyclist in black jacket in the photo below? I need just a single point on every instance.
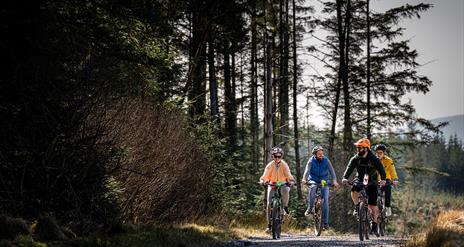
(367, 165)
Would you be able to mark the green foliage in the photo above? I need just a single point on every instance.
(65, 59)
(215, 150)
(393, 71)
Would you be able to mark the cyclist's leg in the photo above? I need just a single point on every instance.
(354, 196)
(285, 192)
(354, 193)
(387, 189)
(270, 194)
(312, 195)
(325, 194)
(372, 191)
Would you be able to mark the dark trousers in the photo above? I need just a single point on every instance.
(388, 192)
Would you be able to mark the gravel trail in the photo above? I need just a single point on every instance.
(324, 240)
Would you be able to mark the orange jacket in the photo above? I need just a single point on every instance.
(277, 172)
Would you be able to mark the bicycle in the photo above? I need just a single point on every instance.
(318, 215)
(363, 211)
(383, 219)
(277, 215)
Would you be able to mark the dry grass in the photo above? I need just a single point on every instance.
(446, 230)
(164, 175)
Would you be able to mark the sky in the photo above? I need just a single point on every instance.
(438, 36)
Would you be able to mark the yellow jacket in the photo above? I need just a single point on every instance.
(277, 172)
(390, 170)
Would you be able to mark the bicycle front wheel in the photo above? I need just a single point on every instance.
(382, 223)
(361, 226)
(366, 221)
(276, 219)
(318, 219)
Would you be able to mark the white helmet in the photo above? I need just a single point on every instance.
(277, 150)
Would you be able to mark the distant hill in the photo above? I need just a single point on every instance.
(455, 126)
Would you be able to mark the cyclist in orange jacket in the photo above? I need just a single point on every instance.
(277, 171)
(390, 170)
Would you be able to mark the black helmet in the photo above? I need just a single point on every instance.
(380, 147)
(277, 150)
(317, 148)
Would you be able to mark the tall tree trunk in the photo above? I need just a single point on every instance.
(341, 67)
(283, 76)
(213, 89)
(230, 122)
(242, 114)
(347, 131)
(274, 72)
(295, 106)
(368, 73)
(233, 103)
(268, 135)
(254, 92)
(197, 92)
(334, 120)
(266, 41)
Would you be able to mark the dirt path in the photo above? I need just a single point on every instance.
(305, 240)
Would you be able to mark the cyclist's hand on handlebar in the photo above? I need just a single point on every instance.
(261, 182)
(304, 181)
(395, 183)
(336, 184)
(382, 183)
(344, 181)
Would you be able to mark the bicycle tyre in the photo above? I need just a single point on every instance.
(366, 223)
(361, 226)
(382, 222)
(317, 219)
(321, 217)
(275, 219)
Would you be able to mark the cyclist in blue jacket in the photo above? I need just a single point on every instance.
(317, 169)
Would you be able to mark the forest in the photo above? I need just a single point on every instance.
(117, 115)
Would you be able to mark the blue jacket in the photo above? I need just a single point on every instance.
(319, 169)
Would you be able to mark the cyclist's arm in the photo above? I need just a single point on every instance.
(266, 175)
(393, 174)
(287, 172)
(379, 167)
(307, 169)
(349, 169)
(378, 173)
(332, 171)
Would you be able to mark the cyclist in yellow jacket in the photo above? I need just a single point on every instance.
(277, 171)
(392, 177)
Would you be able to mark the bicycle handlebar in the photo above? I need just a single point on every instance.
(319, 184)
(358, 183)
(287, 184)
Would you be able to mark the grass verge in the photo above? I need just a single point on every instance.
(446, 230)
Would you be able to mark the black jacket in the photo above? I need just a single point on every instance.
(371, 165)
